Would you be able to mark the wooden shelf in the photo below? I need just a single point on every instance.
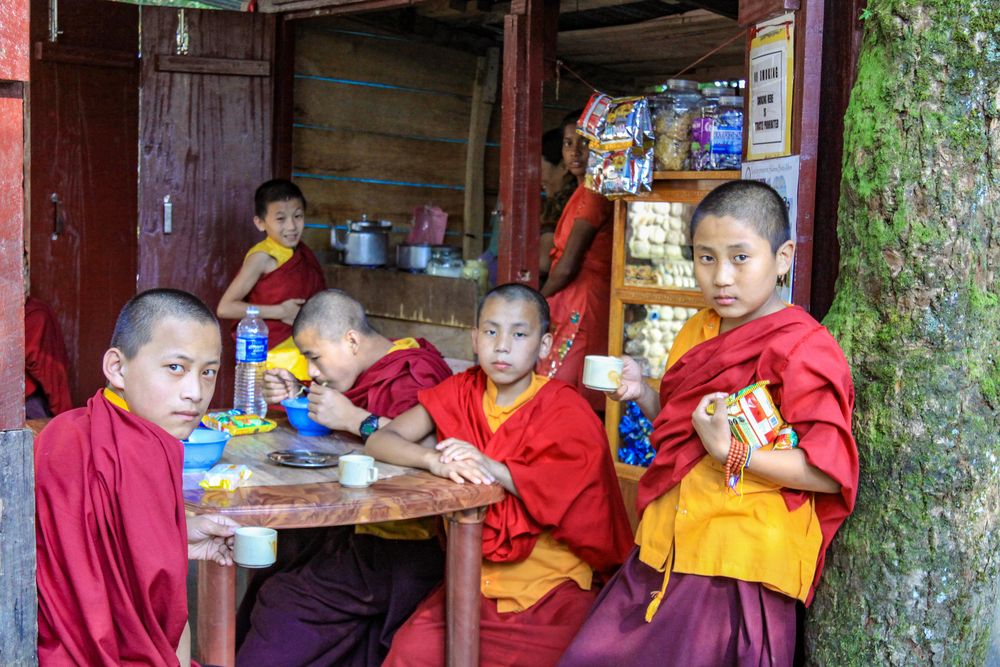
(658, 296)
(726, 175)
(629, 472)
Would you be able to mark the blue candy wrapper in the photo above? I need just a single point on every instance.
(634, 430)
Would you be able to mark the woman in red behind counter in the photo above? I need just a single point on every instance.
(578, 288)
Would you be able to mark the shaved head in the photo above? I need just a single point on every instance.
(518, 292)
(144, 311)
(331, 314)
(752, 202)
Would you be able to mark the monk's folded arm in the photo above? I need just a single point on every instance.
(502, 475)
(789, 468)
(396, 442)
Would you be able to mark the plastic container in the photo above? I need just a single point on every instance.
(673, 112)
(251, 360)
(726, 149)
(203, 449)
(702, 124)
(297, 410)
(445, 261)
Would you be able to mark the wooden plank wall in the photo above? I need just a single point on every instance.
(381, 124)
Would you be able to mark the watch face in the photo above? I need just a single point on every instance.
(369, 425)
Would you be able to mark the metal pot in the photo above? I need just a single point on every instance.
(365, 243)
(412, 257)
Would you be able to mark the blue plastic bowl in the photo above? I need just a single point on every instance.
(204, 448)
(297, 410)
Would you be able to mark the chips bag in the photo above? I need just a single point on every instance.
(236, 423)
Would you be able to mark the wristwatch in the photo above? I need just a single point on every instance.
(368, 426)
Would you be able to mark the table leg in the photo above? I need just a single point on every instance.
(465, 555)
(216, 614)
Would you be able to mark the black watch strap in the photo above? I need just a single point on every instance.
(368, 426)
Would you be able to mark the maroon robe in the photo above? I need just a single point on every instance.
(46, 365)
(558, 456)
(111, 539)
(343, 603)
(298, 278)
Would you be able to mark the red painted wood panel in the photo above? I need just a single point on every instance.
(205, 141)
(83, 136)
(521, 139)
(11, 284)
(14, 40)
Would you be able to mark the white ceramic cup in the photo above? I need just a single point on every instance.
(255, 547)
(602, 373)
(357, 470)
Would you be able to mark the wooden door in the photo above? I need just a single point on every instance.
(205, 143)
(83, 110)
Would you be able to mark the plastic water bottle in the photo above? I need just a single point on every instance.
(251, 358)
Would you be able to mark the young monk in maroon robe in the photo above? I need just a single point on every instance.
(278, 274)
(46, 365)
(112, 540)
(342, 606)
(562, 525)
(718, 571)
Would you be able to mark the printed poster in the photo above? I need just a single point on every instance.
(772, 67)
(782, 174)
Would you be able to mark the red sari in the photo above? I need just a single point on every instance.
(580, 310)
(46, 365)
(558, 457)
(111, 539)
(298, 278)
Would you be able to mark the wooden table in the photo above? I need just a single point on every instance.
(282, 497)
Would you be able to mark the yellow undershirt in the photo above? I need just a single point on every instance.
(115, 399)
(517, 586)
(701, 527)
(411, 529)
(269, 246)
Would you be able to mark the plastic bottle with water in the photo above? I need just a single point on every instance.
(251, 359)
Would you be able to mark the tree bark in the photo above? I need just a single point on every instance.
(912, 578)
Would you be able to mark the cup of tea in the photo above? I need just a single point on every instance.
(357, 470)
(255, 547)
(602, 373)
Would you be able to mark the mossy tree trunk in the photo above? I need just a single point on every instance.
(912, 579)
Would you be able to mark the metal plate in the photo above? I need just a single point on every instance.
(303, 458)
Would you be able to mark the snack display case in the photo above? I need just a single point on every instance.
(653, 291)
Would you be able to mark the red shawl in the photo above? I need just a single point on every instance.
(111, 539)
(389, 387)
(46, 364)
(298, 278)
(810, 383)
(558, 455)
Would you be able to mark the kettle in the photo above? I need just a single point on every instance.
(364, 243)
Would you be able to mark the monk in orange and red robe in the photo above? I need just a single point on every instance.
(731, 539)
(112, 539)
(343, 602)
(278, 274)
(46, 364)
(561, 527)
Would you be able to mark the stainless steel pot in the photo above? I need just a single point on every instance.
(365, 243)
(412, 257)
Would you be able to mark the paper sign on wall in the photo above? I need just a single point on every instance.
(782, 174)
(772, 67)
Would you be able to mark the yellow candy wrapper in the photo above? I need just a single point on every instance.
(225, 477)
(237, 423)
